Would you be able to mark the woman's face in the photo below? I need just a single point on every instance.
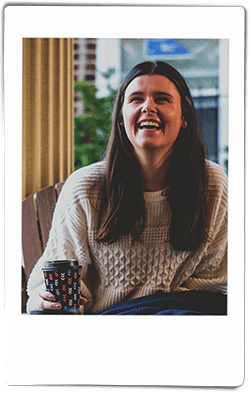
(152, 113)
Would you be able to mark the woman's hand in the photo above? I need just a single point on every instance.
(48, 303)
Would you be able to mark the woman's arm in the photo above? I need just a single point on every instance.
(67, 240)
(211, 273)
(216, 281)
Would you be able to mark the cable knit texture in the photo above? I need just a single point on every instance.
(126, 270)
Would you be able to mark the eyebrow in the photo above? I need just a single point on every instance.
(156, 93)
(164, 94)
(135, 94)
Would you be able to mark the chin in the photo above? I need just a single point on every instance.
(150, 145)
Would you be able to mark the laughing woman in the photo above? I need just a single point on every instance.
(151, 218)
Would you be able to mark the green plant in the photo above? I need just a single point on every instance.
(226, 161)
(92, 128)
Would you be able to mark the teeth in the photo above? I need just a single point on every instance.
(149, 123)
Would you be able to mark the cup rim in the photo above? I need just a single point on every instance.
(54, 265)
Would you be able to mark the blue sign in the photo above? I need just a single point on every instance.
(166, 48)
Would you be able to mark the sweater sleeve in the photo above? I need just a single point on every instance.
(211, 273)
(67, 240)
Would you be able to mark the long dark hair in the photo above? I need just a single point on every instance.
(122, 207)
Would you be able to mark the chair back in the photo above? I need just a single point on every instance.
(37, 213)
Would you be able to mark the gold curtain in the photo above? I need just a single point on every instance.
(48, 119)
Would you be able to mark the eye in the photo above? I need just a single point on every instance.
(162, 99)
(136, 99)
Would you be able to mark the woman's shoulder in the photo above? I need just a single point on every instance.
(85, 178)
(217, 180)
(89, 172)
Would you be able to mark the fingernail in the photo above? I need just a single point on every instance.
(50, 296)
(57, 306)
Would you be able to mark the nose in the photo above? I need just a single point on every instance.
(149, 106)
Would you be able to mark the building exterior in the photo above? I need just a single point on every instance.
(84, 66)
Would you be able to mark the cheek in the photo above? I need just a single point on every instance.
(174, 118)
(128, 121)
(129, 132)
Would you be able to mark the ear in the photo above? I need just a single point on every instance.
(184, 123)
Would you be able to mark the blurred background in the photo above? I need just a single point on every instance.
(100, 65)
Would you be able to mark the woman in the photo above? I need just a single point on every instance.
(153, 215)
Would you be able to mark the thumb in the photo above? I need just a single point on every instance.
(83, 300)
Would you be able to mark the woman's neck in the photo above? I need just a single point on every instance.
(154, 168)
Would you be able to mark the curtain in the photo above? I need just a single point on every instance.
(48, 119)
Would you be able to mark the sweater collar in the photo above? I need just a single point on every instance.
(159, 195)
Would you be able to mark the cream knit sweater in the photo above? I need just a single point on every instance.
(126, 270)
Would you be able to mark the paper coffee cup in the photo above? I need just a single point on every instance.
(62, 279)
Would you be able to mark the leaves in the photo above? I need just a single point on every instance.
(92, 128)
(226, 161)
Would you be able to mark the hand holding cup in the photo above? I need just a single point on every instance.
(48, 301)
(62, 282)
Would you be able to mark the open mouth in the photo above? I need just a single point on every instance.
(149, 125)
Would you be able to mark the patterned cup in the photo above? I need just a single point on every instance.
(62, 279)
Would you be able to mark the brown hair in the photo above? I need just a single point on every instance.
(121, 195)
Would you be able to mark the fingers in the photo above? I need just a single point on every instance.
(49, 305)
(46, 295)
(47, 302)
